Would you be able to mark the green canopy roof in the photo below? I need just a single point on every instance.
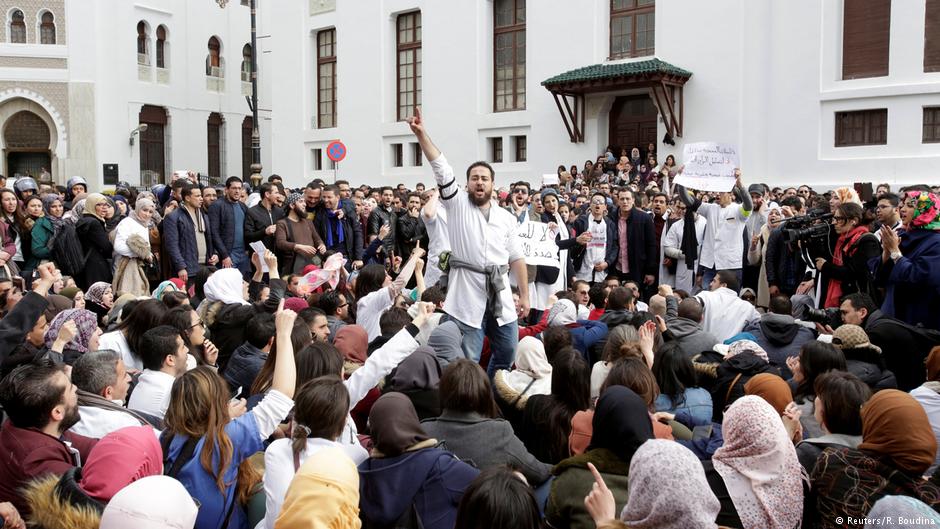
(604, 72)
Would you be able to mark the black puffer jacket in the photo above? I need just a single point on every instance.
(869, 366)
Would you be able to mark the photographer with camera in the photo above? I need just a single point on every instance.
(783, 264)
(848, 271)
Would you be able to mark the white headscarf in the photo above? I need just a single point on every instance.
(563, 312)
(225, 286)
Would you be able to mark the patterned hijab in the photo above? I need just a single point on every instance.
(85, 320)
(747, 346)
(759, 466)
(895, 427)
(96, 292)
(668, 490)
(563, 312)
(926, 210)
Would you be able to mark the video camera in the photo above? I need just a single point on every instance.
(807, 228)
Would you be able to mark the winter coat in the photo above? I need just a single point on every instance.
(429, 480)
(179, 241)
(581, 225)
(98, 250)
(869, 366)
(411, 231)
(242, 368)
(257, 219)
(913, 281)
(585, 334)
(574, 481)
(808, 450)
(854, 272)
(226, 322)
(692, 339)
(696, 401)
(783, 264)
(352, 245)
(485, 442)
(222, 219)
(903, 346)
(641, 243)
(379, 217)
(19, 321)
(725, 378)
(28, 454)
(781, 336)
(42, 233)
(59, 503)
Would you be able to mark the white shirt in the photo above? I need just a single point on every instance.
(479, 241)
(98, 422)
(595, 253)
(116, 341)
(370, 309)
(437, 244)
(725, 313)
(723, 247)
(279, 470)
(152, 393)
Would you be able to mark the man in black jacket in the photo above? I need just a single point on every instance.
(262, 218)
(339, 232)
(227, 219)
(384, 213)
(637, 252)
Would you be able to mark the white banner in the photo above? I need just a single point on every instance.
(709, 166)
(537, 243)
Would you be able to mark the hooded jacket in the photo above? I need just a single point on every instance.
(692, 339)
(430, 479)
(731, 374)
(781, 336)
(59, 503)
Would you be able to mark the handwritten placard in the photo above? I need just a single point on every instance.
(550, 179)
(537, 243)
(709, 166)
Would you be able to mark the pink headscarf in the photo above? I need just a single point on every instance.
(668, 490)
(352, 341)
(759, 466)
(119, 459)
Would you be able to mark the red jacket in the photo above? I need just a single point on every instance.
(26, 454)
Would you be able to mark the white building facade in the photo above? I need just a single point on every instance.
(80, 78)
(830, 92)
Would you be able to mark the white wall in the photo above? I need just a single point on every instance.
(766, 76)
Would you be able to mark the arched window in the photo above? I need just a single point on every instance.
(47, 28)
(246, 63)
(17, 27)
(161, 46)
(214, 59)
(143, 44)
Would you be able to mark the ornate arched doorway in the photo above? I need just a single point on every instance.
(26, 139)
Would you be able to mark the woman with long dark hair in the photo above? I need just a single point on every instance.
(678, 385)
(546, 421)
(146, 315)
(10, 217)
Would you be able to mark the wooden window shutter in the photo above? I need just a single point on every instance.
(932, 37)
(866, 27)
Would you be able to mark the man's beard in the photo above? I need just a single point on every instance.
(71, 419)
(479, 202)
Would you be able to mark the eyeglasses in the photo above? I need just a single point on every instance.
(838, 219)
(520, 191)
(199, 323)
(343, 305)
(597, 202)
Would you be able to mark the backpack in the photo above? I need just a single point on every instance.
(66, 250)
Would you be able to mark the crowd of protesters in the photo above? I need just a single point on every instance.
(190, 356)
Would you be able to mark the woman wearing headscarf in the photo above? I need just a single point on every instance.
(165, 286)
(532, 376)
(418, 377)
(915, 513)
(132, 250)
(226, 309)
(584, 333)
(30, 214)
(77, 498)
(95, 242)
(407, 478)
(755, 474)
(667, 489)
(352, 342)
(445, 339)
(897, 447)
(907, 268)
(99, 298)
(133, 506)
(324, 493)
(928, 395)
(621, 425)
(46, 228)
(85, 339)
(757, 253)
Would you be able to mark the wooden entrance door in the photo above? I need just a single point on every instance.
(153, 145)
(632, 123)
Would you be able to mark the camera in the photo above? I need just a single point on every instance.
(807, 228)
(831, 316)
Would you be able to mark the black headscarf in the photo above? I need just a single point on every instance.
(621, 422)
(689, 238)
(394, 424)
(420, 370)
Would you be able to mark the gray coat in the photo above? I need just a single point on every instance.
(692, 339)
(485, 442)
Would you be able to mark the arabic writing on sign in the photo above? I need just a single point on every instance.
(709, 166)
(537, 243)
